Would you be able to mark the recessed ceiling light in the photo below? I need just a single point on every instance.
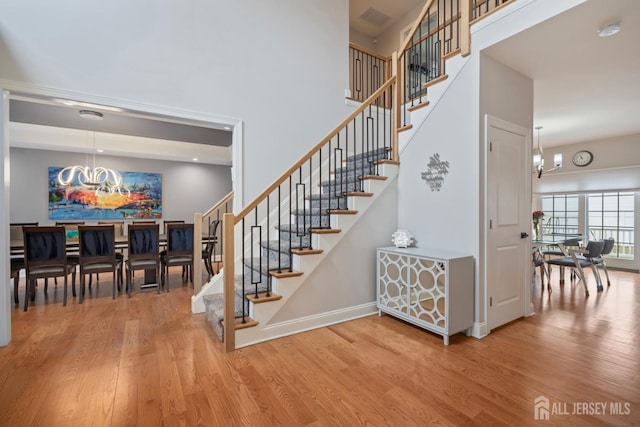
(195, 159)
(609, 30)
(227, 128)
(100, 150)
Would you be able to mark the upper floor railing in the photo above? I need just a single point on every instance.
(209, 224)
(367, 72)
(440, 31)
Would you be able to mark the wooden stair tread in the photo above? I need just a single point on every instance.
(262, 297)
(373, 177)
(418, 106)
(358, 194)
(451, 54)
(325, 230)
(404, 128)
(342, 212)
(285, 273)
(386, 162)
(436, 80)
(249, 323)
(306, 251)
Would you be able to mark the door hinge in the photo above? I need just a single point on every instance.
(490, 147)
(490, 301)
(490, 224)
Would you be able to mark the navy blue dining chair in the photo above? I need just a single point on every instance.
(45, 256)
(97, 254)
(179, 251)
(143, 251)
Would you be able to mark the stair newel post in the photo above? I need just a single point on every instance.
(228, 227)
(196, 274)
(465, 27)
(395, 112)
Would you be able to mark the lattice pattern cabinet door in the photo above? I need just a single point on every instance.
(429, 288)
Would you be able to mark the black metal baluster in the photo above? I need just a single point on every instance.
(244, 320)
(358, 82)
(291, 224)
(259, 228)
(279, 228)
(267, 276)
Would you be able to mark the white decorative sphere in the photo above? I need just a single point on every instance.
(402, 238)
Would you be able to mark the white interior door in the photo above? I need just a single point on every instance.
(508, 211)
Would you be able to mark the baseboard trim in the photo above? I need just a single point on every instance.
(302, 324)
(479, 330)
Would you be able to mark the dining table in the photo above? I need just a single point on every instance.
(121, 244)
(558, 240)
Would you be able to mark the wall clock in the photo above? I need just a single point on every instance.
(582, 158)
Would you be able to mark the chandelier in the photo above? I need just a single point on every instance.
(104, 180)
(538, 158)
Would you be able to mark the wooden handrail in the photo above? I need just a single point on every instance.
(369, 52)
(415, 26)
(313, 150)
(217, 206)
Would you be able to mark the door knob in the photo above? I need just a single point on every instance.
(524, 235)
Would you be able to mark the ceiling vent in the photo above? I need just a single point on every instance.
(375, 17)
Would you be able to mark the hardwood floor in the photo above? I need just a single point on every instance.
(148, 361)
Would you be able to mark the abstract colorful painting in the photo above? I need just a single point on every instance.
(144, 199)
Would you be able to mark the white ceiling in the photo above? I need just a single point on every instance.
(393, 9)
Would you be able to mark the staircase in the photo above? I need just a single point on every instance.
(335, 198)
(319, 206)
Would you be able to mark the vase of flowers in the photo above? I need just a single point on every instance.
(538, 216)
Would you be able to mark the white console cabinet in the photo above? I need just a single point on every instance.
(430, 288)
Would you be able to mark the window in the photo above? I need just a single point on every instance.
(612, 215)
(561, 213)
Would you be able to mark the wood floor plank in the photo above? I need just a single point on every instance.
(149, 361)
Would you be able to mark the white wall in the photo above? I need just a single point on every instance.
(280, 66)
(445, 219)
(186, 187)
(363, 40)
